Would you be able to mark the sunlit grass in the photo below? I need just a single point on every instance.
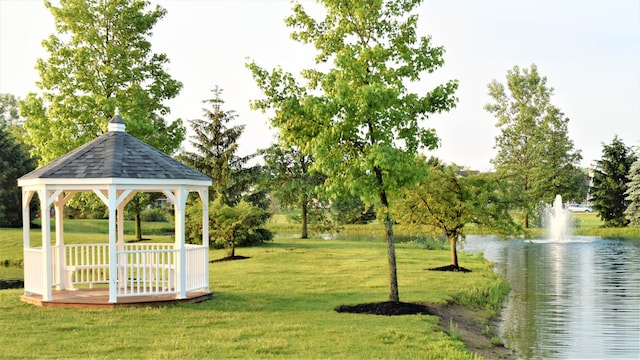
(278, 303)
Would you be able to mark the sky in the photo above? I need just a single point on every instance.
(589, 50)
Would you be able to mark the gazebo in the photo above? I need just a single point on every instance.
(114, 166)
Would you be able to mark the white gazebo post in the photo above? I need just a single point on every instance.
(113, 260)
(204, 197)
(179, 208)
(59, 208)
(27, 195)
(45, 203)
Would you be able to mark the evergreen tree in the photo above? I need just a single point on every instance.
(610, 183)
(215, 145)
(14, 162)
(535, 155)
(632, 212)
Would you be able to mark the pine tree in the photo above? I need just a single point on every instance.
(610, 183)
(14, 162)
(632, 213)
(215, 145)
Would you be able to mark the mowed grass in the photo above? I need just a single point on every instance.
(276, 304)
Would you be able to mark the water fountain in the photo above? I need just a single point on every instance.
(557, 220)
(559, 284)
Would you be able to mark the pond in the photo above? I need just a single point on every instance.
(574, 298)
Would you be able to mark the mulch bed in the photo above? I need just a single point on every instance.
(388, 308)
(230, 258)
(450, 268)
(11, 284)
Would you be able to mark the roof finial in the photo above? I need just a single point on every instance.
(116, 123)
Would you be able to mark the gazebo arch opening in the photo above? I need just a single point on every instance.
(115, 167)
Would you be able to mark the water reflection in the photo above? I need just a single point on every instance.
(573, 299)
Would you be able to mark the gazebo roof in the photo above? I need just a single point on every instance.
(116, 154)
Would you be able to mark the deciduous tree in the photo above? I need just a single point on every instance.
(610, 183)
(451, 198)
(292, 181)
(234, 225)
(100, 59)
(535, 154)
(9, 111)
(355, 114)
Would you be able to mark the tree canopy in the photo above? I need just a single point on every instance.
(451, 198)
(100, 60)
(610, 183)
(355, 114)
(14, 162)
(292, 181)
(9, 111)
(535, 154)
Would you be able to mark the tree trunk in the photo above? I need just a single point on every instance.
(525, 221)
(391, 254)
(138, 228)
(391, 246)
(231, 252)
(454, 252)
(305, 235)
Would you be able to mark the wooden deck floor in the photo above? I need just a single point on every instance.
(99, 298)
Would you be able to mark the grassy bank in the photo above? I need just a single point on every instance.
(277, 303)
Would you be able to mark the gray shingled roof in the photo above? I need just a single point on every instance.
(116, 154)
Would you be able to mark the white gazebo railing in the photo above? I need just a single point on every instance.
(33, 278)
(142, 269)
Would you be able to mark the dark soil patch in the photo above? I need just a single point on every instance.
(389, 308)
(450, 268)
(136, 240)
(230, 258)
(11, 284)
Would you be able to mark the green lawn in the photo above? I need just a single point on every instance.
(278, 303)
